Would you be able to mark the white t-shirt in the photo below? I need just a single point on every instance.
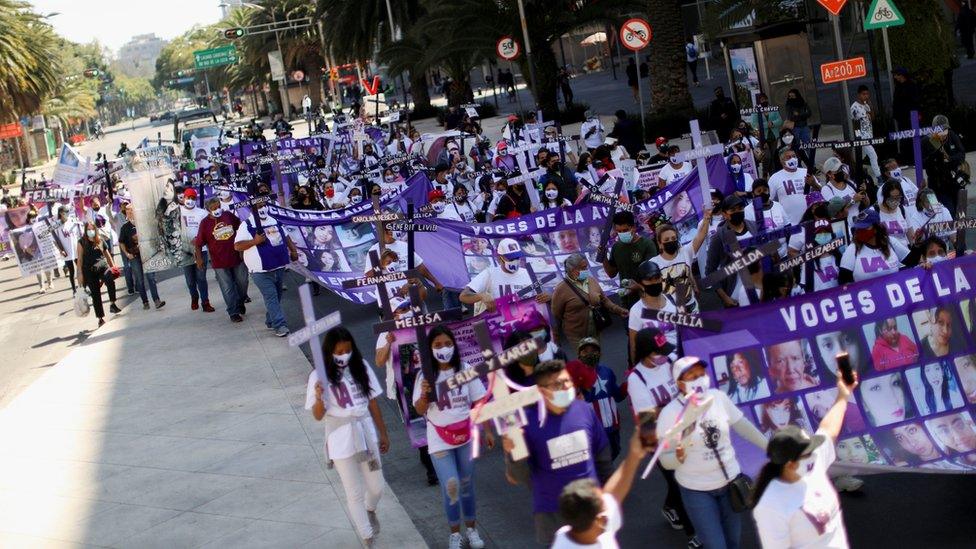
(805, 514)
(651, 387)
(825, 275)
(636, 322)
(741, 296)
(190, 219)
(498, 283)
(398, 266)
(896, 224)
(457, 407)
(596, 139)
(871, 263)
(606, 540)
(344, 399)
(69, 234)
(773, 218)
(787, 189)
(670, 174)
(461, 212)
(679, 269)
(828, 191)
(861, 113)
(917, 219)
(908, 188)
(701, 470)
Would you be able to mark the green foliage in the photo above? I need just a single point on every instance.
(28, 57)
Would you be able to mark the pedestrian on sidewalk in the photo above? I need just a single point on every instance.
(355, 434)
(632, 76)
(267, 249)
(691, 57)
(94, 267)
(129, 244)
(449, 431)
(196, 277)
(68, 232)
(217, 233)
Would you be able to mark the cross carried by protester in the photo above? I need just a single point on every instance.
(380, 280)
(313, 330)
(615, 204)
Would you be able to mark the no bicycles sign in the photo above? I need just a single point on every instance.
(507, 48)
(635, 34)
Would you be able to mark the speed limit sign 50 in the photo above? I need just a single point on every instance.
(507, 48)
(635, 34)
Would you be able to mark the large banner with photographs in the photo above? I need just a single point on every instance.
(458, 251)
(510, 315)
(335, 247)
(34, 248)
(13, 218)
(909, 335)
(152, 189)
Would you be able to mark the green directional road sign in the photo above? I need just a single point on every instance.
(224, 55)
(882, 14)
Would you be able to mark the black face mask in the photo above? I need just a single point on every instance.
(738, 218)
(764, 197)
(671, 247)
(753, 268)
(653, 290)
(840, 177)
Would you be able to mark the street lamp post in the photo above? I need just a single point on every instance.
(528, 51)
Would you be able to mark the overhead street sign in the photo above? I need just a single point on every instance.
(215, 57)
(833, 6)
(507, 48)
(635, 34)
(883, 14)
(839, 71)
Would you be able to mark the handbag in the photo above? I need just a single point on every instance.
(602, 318)
(740, 487)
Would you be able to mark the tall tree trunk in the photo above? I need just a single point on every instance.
(668, 72)
(419, 91)
(546, 67)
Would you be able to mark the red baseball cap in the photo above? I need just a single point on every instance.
(660, 141)
(434, 195)
(189, 193)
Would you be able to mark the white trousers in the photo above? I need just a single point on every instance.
(363, 491)
(873, 159)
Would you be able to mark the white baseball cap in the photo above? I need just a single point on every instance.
(832, 164)
(509, 249)
(684, 364)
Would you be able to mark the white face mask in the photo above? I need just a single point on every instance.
(342, 360)
(90, 233)
(399, 235)
(190, 203)
(563, 398)
(805, 466)
(736, 168)
(791, 163)
(356, 199)
(510, 267)
(896, 173)
(936, 258)
(225, 195)
(498, 194)
(444, 354)
(699, 385)
(551, 194)
(388, 178)
(216, 212)
(787, 139)
(439, 207)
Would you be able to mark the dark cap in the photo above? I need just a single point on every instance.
(866, 219)
(441, 168)
(648, 269)
(790, 443)
(651, 340)
(732, 201)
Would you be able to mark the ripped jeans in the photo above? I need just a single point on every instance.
(455, 471)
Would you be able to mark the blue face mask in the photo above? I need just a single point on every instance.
(626, 237)
(584, 275)
(823, 238)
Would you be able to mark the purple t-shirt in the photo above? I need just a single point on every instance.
(561, 451)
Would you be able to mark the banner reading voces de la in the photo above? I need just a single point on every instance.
(910, 337)
(34, 248)
(510, 315)
(458, 251)
(334, 247)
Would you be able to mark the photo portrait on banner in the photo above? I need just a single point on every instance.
(162, 243)
(34, 248)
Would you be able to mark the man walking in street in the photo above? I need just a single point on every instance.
(217, 234)
(691, 57)
(129, 244)
(196, 277)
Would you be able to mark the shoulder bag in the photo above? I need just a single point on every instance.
(602, 319)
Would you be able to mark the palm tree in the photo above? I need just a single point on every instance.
(28, 51)
(666, 63)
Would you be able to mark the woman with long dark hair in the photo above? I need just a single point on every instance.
(355, 434)
(873, 254)
(794, 482)
(939, 387)
(449, 429)
(95, 263)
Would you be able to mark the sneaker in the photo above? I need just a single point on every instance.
(282, 331)
(847, 483)
(194, 305)
(454, 542)
(474, 540)
(42, 290)
(695, 543)
(432, 480)
(160, 304)
(236, 318)
(101, 322)
(207, 307)
(145, 305)
(671, 516)
(374, 521)
(50, 285)
(114, 309)
(131, 292)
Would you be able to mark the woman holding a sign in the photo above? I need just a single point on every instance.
(449, 431)
(95, 266)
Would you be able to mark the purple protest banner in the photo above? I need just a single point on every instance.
(910, 337)
(511, 314)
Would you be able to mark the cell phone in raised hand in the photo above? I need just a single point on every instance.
(844, 367)
(647, 423)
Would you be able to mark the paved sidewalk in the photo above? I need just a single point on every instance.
(175, 429)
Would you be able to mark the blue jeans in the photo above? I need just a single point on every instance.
(233, 287)
(269, 284)
(716, 524)
(455, 471)
(196, 280)
(127, 272)
(143, 279)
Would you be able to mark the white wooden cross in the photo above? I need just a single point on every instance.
(700, 152)
(313, 330)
